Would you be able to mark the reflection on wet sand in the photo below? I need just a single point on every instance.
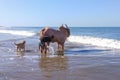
(21, 54)
(51, 66)
(53, 63)
(60, 53)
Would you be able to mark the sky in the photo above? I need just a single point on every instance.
(78, 13)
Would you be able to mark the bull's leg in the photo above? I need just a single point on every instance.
(62, 47)
(44, 50)
(41, 51)
(59, 46)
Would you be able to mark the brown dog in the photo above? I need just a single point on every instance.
(43, 48)
(20, 46)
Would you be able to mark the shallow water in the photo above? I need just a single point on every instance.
(59, 67)
(80, 62)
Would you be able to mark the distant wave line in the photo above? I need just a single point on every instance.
(17, 32)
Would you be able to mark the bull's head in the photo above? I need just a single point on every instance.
(66, 29)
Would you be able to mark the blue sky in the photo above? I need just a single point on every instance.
(88, 13)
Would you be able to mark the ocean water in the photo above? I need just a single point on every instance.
(82, 41)
(91, 53)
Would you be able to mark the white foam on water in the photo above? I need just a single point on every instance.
(11, 58)
(17, 32)
(101, 42)
(31, 57)
(51, 50)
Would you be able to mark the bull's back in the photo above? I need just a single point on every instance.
(46, 32)
(58, 36)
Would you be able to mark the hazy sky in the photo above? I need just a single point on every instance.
(56, 12)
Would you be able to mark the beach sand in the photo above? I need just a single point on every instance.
(31, 66)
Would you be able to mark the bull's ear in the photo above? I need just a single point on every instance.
(66, 26)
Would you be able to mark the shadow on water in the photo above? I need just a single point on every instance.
(29, 50)
(86, 51)
(20, 54)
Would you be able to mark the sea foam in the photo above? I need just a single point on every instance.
(51, 50)
(17, 32)
(101, 42)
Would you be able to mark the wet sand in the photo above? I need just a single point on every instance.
(31, 66)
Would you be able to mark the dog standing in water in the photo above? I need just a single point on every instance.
(43, 47)
(20, 47)
(45, 41)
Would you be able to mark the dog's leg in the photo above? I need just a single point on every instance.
(17, 49)
(41, 49)
(24, 48)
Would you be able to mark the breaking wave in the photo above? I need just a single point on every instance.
(17, 32)
(101, 42)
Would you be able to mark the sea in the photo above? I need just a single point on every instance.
(85, 41)
(91, 53)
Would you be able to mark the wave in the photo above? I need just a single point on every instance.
(17, 32)
(101, 42)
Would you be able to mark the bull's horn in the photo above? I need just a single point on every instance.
(66, 26)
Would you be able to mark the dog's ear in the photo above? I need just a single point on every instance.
(24, 41)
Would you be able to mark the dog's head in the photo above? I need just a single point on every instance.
(24, 42)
